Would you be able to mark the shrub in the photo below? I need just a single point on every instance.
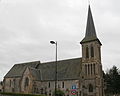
(59, 93)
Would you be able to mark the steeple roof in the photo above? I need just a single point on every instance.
(90, 29)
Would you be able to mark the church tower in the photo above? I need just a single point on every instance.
(92, 79)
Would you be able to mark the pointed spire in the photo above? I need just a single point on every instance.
(90, 29)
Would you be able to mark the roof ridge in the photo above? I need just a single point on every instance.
(26, 63)
(61, 60)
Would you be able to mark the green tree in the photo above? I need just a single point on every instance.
(59, 93)
(112, 80)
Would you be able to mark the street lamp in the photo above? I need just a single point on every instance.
(55, 42)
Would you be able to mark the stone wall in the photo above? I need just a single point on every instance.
(48, 87)
(11, 84)
(1, 87)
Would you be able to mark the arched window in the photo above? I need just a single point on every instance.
(92, 51)
(26, 81)
(90, 88)
(87, 52)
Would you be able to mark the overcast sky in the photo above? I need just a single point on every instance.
(27, 26)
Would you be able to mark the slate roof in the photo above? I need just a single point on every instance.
(18, 69)
(67, 69)
(90, 29)
(36, 73)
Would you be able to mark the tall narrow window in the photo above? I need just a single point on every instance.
(99, 52)
(92, 51)
(14, 82)
(10, 83)
(87, 52)
(91, 69)
(94, 68)
(26, 82)
(49, 85)
(86, 69)
(90, 88)
(63, 85)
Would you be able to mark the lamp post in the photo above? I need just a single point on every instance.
(55, 42)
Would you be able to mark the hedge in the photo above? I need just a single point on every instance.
(19, 94)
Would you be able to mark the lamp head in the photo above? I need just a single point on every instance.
(52, 42)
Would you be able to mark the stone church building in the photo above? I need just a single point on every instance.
(79, 76)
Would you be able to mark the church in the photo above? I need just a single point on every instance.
(75, 77)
